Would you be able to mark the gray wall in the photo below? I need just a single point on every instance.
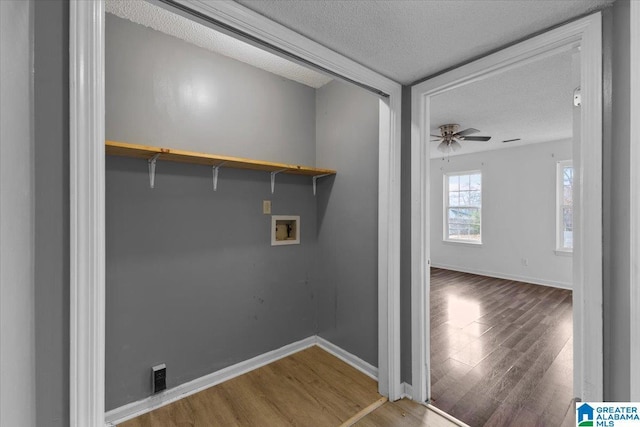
(347, 141)
(52, 330)
(17, 331)
(405, 238)
(165, 92)
(52, 211)
(616, 202)
(192, 279)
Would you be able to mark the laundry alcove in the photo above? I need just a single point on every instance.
(192, 279)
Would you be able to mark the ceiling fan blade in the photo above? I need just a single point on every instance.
(467, 132)
(476, 138)
(436, 136)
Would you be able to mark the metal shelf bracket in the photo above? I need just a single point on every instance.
(152, 170)
(273, 179)
(315, 179)
(216, 168)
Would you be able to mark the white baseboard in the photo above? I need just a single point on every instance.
(134, 409)
(364, 367)
(532, 280)
(407, 391)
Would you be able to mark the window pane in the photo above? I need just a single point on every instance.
(464, 198)
(567, 174)
(475, 182)
(464, 182)
(567, 237)
(567, 195)
(454, 183)
(475, 198)
(463, 211)
(567, 217)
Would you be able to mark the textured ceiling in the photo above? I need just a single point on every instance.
(409, 40)
(533, 102)
(162, 20)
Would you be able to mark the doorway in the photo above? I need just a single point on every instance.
(87, 153)
(584, 34)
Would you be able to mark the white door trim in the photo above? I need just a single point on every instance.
(86, 180)
(634, 283)
(588, 326)
(87, 193)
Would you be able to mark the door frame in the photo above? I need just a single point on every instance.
(585, 33)
(87, 192)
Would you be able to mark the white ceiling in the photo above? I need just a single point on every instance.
(533, 102)
(407, 40)
(162, 20)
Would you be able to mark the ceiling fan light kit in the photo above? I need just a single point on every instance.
(451, 138)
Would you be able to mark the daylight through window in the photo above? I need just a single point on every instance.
(565, 206)
(463, 204)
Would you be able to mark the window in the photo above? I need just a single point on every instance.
(564, 235)
(462, 207)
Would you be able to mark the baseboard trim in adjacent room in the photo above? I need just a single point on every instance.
(525, 279)
(135, 409)
(364, 367)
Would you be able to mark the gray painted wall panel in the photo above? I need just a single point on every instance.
(616, 204)
(405, 239)
(17, 200)
(192, 278)
(163, 91)
(52, 212)
(347, 140)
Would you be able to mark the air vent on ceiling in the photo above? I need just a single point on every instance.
(511, 140)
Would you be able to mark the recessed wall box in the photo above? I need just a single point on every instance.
(285, 230)
(159, 378)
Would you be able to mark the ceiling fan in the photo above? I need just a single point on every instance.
(451, 138)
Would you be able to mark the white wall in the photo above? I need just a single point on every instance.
(17, 335)
(518, 215)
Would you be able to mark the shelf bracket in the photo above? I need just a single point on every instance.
(273, 179)
(315, 179)
(152, 169)
(216, 168)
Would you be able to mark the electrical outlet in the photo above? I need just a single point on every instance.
(159, 378)
(266, 207)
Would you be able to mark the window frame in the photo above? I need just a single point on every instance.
(560, 249)
(445, 210)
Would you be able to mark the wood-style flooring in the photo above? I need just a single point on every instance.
(501, 351)
(308, 388)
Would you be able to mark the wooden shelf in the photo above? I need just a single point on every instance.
(115, 148)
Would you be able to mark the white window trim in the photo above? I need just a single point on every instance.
(560, 248)
(445, 208)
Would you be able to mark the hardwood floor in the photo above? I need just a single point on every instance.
(308, 388)
(501, 351)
